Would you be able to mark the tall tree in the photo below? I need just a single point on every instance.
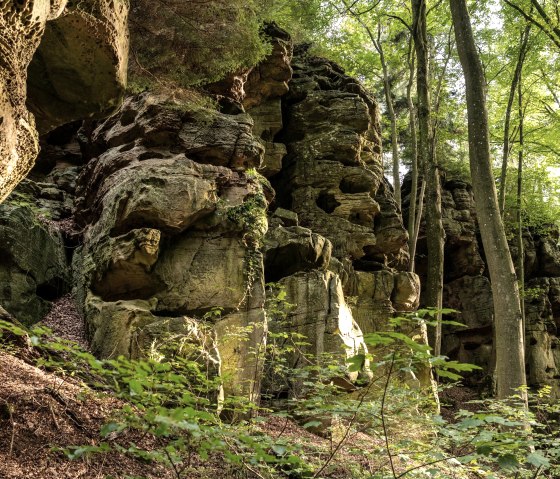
(520, 248)
(508, 324)
(414, 213)
(516, 79)
(435, 234)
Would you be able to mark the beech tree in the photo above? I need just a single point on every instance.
(508, 324)
(435, 234)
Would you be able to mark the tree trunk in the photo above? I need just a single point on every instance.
(435, 234)
(520, 248)
(393, 118)
(507, 120)
(510, 361)
(412, 220)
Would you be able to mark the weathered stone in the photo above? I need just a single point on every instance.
(269, 79)
(332, 174)
(138, 196)
(33, 270)
(201, 272)
(268, 123)
(379, 294)
(168, 237)
(549, 257)
(160, 122)
(293, 249)
(472, 296)
(79, 70)
(321, 315)
(467, 291)
(286, 217)
(406, 295)
(81, 60)
(21, 28)
(241, 338)
(123, 265)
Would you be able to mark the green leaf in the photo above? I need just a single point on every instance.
(279, 449)
(136, 387)
(356, 363)
(538, 460)
(508, 461)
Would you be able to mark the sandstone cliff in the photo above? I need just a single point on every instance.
(170, 216)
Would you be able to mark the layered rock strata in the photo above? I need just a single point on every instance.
(77, 56)
(164, 214)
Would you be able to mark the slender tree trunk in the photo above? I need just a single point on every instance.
(507, 120)
(412, 220)
(435, 234)
(520, 248)
(510, 361)
(393, 118)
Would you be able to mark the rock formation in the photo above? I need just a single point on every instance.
(161, 219)
(468, 290)
(77, 56)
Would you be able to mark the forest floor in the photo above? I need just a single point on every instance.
(42, 413)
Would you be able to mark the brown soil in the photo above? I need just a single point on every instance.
(40, 411)
(66, 322)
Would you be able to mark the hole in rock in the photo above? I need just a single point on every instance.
(327, 202)
(470, 346)
(52, 290)
(127, 147)
(533, 341)
(128, 117)
(367, 265)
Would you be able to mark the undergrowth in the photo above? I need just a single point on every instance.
(381, 426)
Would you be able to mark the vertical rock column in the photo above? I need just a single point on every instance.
(332, 177)
(173, 227)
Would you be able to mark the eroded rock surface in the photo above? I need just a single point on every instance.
(173, 226)
(79, 55)
(33, 264)
(162, 211)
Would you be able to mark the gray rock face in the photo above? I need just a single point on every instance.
(292, 249)
(332, 174)
(162, 208)
(172, 234)
(33, 265)
(468, 290)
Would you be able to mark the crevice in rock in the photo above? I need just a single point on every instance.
(52, 290)
(327, 202)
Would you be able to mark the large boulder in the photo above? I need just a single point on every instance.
(78, 71)
(173, 229)
(317, 318)
(292, 249)
(33, 265)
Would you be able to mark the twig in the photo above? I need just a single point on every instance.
(385, 389)
(13, 434)
(177, 473)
